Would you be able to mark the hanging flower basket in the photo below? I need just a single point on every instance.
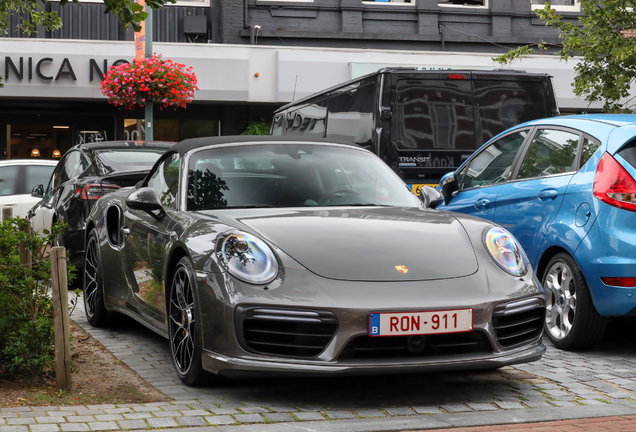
(150, 80)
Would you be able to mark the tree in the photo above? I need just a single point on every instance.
(30, 14)
(604, 39)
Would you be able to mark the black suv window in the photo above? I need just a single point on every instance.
(351, 113)
(310, 119)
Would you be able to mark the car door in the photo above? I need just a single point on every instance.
(148, 234)
(480, 180)
(43, 217)
(527, 205)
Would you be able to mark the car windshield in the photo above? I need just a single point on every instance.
(292, 175)
(127, 159)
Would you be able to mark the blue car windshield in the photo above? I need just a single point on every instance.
(292, 175)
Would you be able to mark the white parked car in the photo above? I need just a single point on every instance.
(18, 177)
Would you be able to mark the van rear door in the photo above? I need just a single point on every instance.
(433, 124)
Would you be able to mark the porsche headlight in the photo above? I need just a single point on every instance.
(247, 258)
(505, 251)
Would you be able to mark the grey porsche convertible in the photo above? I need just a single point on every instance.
(280, 255)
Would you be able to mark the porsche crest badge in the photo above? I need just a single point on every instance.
(401, 268)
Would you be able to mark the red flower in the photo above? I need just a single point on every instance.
(151, 79)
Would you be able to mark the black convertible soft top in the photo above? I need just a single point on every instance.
(189, 144)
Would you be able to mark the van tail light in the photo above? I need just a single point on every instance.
(613, 184)
(96, 191)
(625, 282)
(456, 76)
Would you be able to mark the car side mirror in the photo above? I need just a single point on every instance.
(449, 185)
(146, 199)
(430, 197)
(38, 191)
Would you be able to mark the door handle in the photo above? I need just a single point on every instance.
(482, 204)
(126, 231)
(548, 194)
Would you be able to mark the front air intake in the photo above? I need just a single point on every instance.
(285, 332)
(518, 322)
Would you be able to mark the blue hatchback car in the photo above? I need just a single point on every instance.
(564, 186)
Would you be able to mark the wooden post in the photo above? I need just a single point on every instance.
(25, 253)
(61, 319)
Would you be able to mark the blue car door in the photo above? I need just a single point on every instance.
(480, 180)
(527, 205)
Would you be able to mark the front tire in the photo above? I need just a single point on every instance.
(184, 323)
(571, 321)
(94, 308)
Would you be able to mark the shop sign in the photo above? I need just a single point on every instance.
(49, 69)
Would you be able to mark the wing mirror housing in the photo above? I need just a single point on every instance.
(146, 199)
(38, 191)
(448, 185)
(430, 197)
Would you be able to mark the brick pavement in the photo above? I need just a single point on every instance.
(614, 424)
(561, 385)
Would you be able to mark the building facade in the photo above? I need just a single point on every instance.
(250, 57)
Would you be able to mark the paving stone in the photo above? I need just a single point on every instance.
(339, 414)
(101, 426)
(308, 415)
(44, 428)
(137, 416)
(109, 417)
(169, 414)
(192, 421)
(220, 420)
(14, 429)
(132, 424)
(248, 418)
(482, 407)
(401, 411)
(20, 421)
(223, 410)
(426, 410)
(75, 427)
(162, 422)
(253, 410)
(510, 405)
(563, 403)
(370, 413)
(278, 417)
(83, 419)
(50, 419)
(537, 404)
(452, 408)
(592, 402)
(195, 412)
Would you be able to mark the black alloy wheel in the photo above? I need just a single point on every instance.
(94, 307)
(184, 325)
(572, 321)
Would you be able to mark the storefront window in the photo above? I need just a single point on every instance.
(37, 141)
(171, 130)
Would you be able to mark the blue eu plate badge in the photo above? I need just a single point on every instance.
(374, 324)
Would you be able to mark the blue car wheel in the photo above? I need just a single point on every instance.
(571, 322)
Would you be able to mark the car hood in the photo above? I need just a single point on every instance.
(370, 244)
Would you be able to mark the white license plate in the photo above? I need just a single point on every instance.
(420, 323)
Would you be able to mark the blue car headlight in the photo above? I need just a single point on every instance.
(247, 258)
(506, 251)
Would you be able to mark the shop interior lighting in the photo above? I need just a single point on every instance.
(61, 127)
(85, 132)
(35, 153)
(56, 153)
